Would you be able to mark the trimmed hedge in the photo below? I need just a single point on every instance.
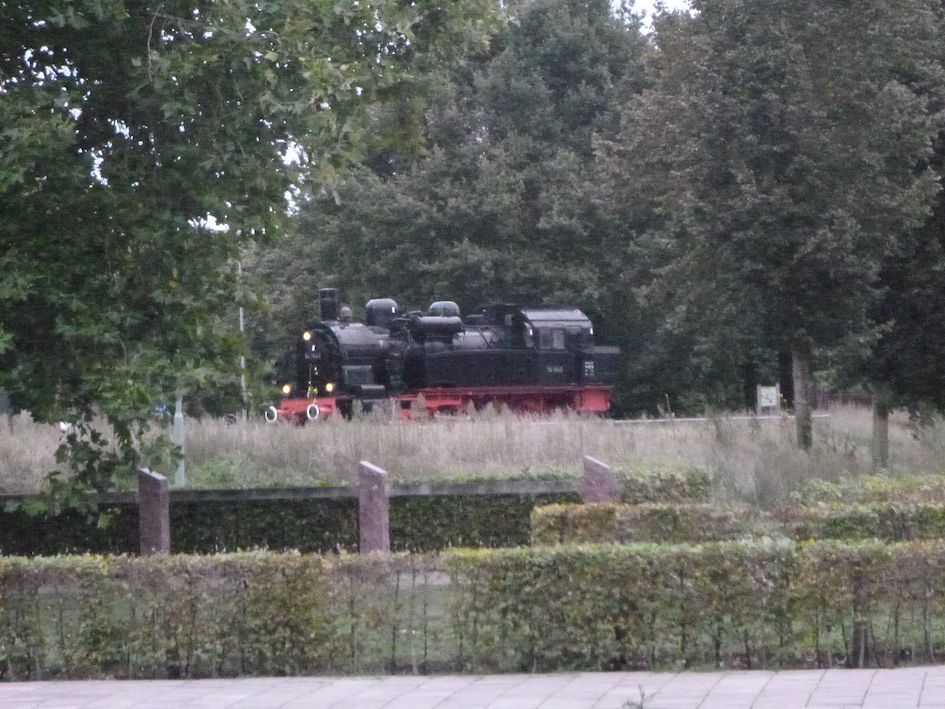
(603, 523)
(221, 615)
(665, 485)
(891, 521)
(575, 524)
(873, 489)
(418, 523)
(728, 604)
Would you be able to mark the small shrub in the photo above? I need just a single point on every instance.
(660, 523)
(874, 488)
(664, 484)
(891, 521)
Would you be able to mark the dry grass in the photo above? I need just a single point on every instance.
(755, 461)
(27, 452)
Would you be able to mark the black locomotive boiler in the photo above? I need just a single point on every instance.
(530, 359)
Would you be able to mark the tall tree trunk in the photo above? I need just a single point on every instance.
(880, 443)
(801, 356)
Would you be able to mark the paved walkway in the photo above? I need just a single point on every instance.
(814, 689)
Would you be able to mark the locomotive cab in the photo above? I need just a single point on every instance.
(564, 342)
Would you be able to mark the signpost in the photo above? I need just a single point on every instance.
(768, 399)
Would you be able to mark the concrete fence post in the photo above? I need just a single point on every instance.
(373, 508)
(599, 483)
(154, 513)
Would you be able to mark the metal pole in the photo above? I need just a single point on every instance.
(239, 274)
(180, 439)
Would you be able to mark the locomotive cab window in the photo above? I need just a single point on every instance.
(549, 339)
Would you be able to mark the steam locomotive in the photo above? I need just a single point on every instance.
(528, 359)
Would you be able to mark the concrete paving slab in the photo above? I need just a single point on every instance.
(922, 687)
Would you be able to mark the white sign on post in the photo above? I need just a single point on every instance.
(769, 399)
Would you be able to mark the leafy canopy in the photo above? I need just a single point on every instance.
(780, 152)
(499, 202)
(142, 146)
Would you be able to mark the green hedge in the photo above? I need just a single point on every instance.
(664, 484)
(418, 523)
(575, 524)
(220, 615)
(682, 523)
(873, 489)
(891, 521)
(728, 604)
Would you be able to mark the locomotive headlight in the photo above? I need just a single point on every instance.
(286, 389)
(306, 335)
(329, 387)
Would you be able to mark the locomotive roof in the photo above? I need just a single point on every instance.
(547, 316)
(355, 334)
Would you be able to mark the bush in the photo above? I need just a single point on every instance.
(575, 524)
(418, 523)
(220, 615)
(731, 604)
(688, 523)
(891, 521)
(874, 488)
(664, 484)
(735, 604)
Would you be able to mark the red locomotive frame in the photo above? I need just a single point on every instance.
(525, 399)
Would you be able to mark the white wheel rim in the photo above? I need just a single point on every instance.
(271, 414)
(312, 412)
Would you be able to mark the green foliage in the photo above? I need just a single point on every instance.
(778, 157)
(721, 604)
(661, 523)
(664, 484)
(173, 617)
(417, 523)
(893, 521)
(641, 606)
(428, 523)
(499, 201)
(127, 128)
(874, 488)
(694, 523)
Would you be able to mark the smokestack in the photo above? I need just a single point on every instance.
(328, 301)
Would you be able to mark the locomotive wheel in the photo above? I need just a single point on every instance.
(272, 416)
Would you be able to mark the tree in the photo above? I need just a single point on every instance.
(904, 363)
(500, 201)
(782, 148)
(142, 147)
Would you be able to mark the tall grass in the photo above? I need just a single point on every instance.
(755, 461)
(27, 452)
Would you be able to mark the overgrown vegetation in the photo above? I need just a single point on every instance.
(755, 462)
